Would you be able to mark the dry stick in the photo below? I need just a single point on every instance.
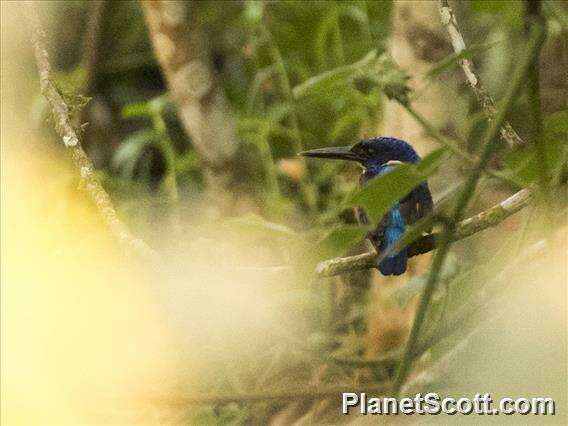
(448, 17)
(64, 128)
(481, 221)
(489, 147)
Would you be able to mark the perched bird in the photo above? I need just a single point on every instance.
(377, 156)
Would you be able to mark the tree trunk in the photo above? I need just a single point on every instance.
(182, 53)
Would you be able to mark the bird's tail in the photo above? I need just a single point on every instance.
(395, 264)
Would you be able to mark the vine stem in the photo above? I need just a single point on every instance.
(307, 191)
(490, 145)
(533, 17)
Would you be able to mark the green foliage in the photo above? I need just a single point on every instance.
(337, 241)
(416, 284)
(453, 59)
(254, 225)
(522, 164)
(383, 191)
(301, 75)
(131, 150)
(510, 11)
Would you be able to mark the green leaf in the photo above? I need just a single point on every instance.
(186, 163)
(261, 77)
(257, 225)
(556, 125)
(347, 124)
(454, 58)
(148, 108)
(128, 153)
(522, 164)
(138, 109)
(392, 79)
(159, 104)
(412, 288)
(253, 12)
(505, 12)
(335, 76)
(382, 192)
(416, 284)
(339, 240)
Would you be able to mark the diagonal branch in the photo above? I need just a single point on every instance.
(448, 17)
(65, 129)
(481, 221)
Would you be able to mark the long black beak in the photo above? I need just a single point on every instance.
(336, 153)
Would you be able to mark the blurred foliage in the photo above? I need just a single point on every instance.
(302, 75)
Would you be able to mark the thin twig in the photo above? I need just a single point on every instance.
(448, 17)
(493, 216)
(489, 147)
(64, 128)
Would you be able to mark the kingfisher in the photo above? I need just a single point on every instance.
(378, 156)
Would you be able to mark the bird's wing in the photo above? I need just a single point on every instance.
(418, 204)
(377, 235)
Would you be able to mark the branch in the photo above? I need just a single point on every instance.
(481, 221)
(64, 128)
(448, 17)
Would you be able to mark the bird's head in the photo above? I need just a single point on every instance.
(369, 152)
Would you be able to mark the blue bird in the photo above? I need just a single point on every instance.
(377, 156)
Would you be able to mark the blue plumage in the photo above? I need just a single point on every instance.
(391, 228)
(396, 264)
(374, 154)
